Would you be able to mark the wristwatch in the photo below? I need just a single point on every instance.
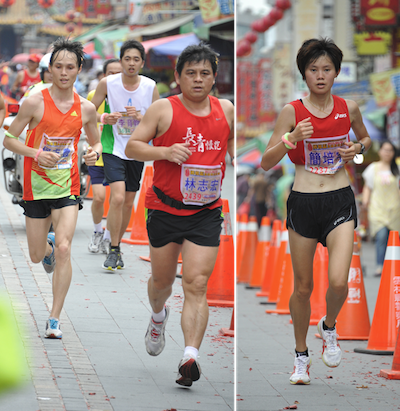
(98, 155)
(362, 147)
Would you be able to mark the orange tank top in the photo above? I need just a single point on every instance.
(60, 133)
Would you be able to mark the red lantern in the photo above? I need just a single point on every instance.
(276, 14)
(45, 3)
(6, 3)
(70, 14)
(70, 27)
(257, 26)
(267, 22)
(283, 4)
(251, 37)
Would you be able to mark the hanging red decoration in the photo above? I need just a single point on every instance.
(276, 14)
(283, 4)
(257, 26)
(251, 37)
(267, 22)
(6, 3)
(45, 3)
(70, 27)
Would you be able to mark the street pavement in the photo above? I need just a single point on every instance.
(101, 362)
(265, 355)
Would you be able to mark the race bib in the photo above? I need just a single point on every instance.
(126, 124)
(64, 146)
(322, 155)
(200, 185)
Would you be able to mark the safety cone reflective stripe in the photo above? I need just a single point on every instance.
(250, 247)
(386, 320)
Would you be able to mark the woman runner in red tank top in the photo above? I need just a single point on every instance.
(314, 132)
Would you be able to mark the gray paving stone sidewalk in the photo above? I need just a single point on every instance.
(101, 363)
(265, 354)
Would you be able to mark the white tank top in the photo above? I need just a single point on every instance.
(119, 98)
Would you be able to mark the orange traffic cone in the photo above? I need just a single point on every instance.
(138, 231)
(383, 333)
(285, 286)
(221, 284)
(278, 269)
(229, 332)
(321, 283)
(271, 260)
(249, 253)
(353, 320)
(260, 259)
(241, 241)
(394, 373)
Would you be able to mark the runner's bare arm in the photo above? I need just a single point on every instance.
(286, 123)
(155, 122)
(30, 112)
(360, 131)
(2, 110)
(89, 122)
(100, 93)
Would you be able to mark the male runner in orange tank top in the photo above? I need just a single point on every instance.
(191, 131)
(51, 181)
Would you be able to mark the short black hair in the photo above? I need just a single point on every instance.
(313, 49)
(75, 47)
(132, 44)
(107, 62)
(196, 53)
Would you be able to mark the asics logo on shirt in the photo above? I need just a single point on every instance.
(344, 115)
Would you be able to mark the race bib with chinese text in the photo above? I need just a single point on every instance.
(64, 146)
(126, 124)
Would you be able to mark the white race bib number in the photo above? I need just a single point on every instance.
(200, 184)
(64, 146)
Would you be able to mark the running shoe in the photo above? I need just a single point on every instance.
(49, 263)
(331, 352)
(301, 371)
(120, 263)
(112, 259)
(94, 245)
(53, 329)
(188, 371)
(105, 246)
(155, 335)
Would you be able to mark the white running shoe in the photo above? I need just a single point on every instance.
(94, 245)
(53, 329)
(331, 352)
(301, 371)
(188, 371)
(105, 246)
(155, 338)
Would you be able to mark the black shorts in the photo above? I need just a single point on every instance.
(97, 175)
(118, 169)
(202, 228)
(315, 215)
(42, 208)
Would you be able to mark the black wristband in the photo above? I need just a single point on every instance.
(98, 155)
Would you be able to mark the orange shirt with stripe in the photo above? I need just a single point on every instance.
(41, 183)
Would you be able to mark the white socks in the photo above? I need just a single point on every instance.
(158, 317)
(106, 235)
(191, 352)
(98, 228)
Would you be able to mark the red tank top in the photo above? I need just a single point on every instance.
(28, 81)
(336, 124)
(208, 138)
(58, 132)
